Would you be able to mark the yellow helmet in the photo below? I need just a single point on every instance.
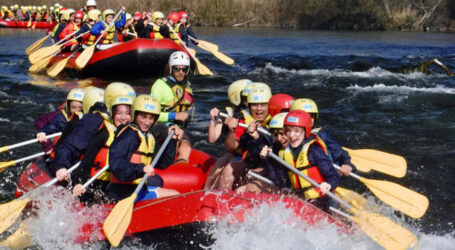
(44, 7)
(146, 104)
(76, 94)
(306, 105)
(67, 14)
(278, 120)
(51, 8)
(121, 99)
(16, 6)
(93, 14)
(11, 7)
(259, 93)
(4, 8)
(235, 90)
(39, 8)
(128, 16)
(34, 8)
(156, 15)
(108, 12)
(248, 87)
(115, 89)
(92, 96)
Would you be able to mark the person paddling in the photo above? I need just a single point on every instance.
(73, 25)
(99, 29)
(66, 18)
(186, 30)
(88, 39)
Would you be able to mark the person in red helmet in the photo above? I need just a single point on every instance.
(186, 30)
(71, 27)
(173, 19)
(309, 155)
(128, 32)
(280, 103)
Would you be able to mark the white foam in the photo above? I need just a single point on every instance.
(401, 89)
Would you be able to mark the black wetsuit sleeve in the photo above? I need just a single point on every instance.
(168, 155)
(317, 157)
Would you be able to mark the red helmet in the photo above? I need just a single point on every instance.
(183, 14)
(280, 103)
(299, 118)
(174, 17)
(79, 15)
(137, 16)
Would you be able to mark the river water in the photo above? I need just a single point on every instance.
(363, 103)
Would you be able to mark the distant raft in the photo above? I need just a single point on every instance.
(24, 24)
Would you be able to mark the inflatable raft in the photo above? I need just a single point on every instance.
(138, 58)
(24, 24)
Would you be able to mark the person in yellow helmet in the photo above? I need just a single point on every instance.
(88, 39)
(156, 27)
(99, 29)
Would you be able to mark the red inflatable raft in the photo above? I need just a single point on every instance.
(139, 58)
(24, 24)
(188, 211)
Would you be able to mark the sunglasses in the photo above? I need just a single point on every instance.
(183, 69)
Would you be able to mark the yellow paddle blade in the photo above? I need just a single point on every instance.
(57, 67)
(10, 212)
(208, 45)
(33, 27)
(35, 56)
(355, 199)
(4, 149)
(367, 159)
(224, 58)
(40, 65)
(5, 164)
(29, 24)
(192, 51)
(85, 56)
(36, 45)
(404, 199)
(20, 239)
(117, 222)
(385, 232)
(202, 69)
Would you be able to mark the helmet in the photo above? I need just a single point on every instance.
(279, 103)
(108, 12)
(156, 15)
(128, 16)
(67, 14)
(260, 93)
(278, 120)
(183, 14)
(76, 94)
(90, 3)
(93, 14)
(248, 88)
(306, 105)
(79, 15)
(39, 8)
(121, 99)
(34, 8)
(51, 8)
(179, 58)
(147, 104)
(299, 118)
(44, 7)
(115, 89)
(137, 16)
(92, 96)
(235, 90)
(4, 7)
(16, 6)
(174, 17)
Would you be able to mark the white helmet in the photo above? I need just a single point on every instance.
(179, 58)
(90, 3)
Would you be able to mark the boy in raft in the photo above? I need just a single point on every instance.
(157, 28)
(336, 153)
(99, 29)
(186, 30)
(56, 121)
(309, 155)
(74, 144)
(70, 28)
(119, 99)
(176, 97)
(128, 32)
(66, 18)
(173, 19)
(132, 151)
(88, 39)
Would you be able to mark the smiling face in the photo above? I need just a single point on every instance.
(109, 18)
(159, 21)
(296, 135)
(145, 121)
(75, 106)
(122, 115)
(280, 135)
(259, 111)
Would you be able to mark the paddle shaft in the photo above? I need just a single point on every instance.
(29, 157)
(96, 176)
(175, 34)
(20, 144)
(243, 125)
(109, 26)
(155, 160)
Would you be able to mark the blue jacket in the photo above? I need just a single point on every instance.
(185, 33)
(56, 125)
(72, 148)
(99, 26)
(336, 152)
(61, 27)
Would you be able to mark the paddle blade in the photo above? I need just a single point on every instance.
(29, 24)
(401, 198)
(43, 52)
(385, 232)
(36, 45)
(224, 58)
(202, 69)
(117, 222)
(192, 51)
(10, 212)
(367, 159)
(208, 45)
(4, 165)
(20, 239)
(4, 149)
(40, 65)
(57, 67)
(355, 199)
(85, 56)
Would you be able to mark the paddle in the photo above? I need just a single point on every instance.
(6, 164)
(385, 232)
(36, 45)
(118, 220)
(87, 54)
(367, 159)
(57, 67)
(35, 56)
(401, 198)
(34, 24)
(40, 65)
(201, 68)
(29, 24)
(10, 212)
(24, 143)
(20, 239)
(214, 50)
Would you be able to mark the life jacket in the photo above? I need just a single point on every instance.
(102, 158)
(55, 29)
(183, 96)
(173, 36)
(131, 33)
(143, 154)
(88, 39)
(305, 167)
(73, 27)
(247, 119)
(315, 132)
(108, 37)
(155, 34)
(68, 119)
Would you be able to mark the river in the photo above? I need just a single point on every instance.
(351, 75)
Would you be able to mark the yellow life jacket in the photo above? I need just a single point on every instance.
(304, 166)
(102, 158)
(88, 39)
(110, 34)
(142, 155)
(156, 33)
(173, 36)
(183, 97)
(248, 118)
